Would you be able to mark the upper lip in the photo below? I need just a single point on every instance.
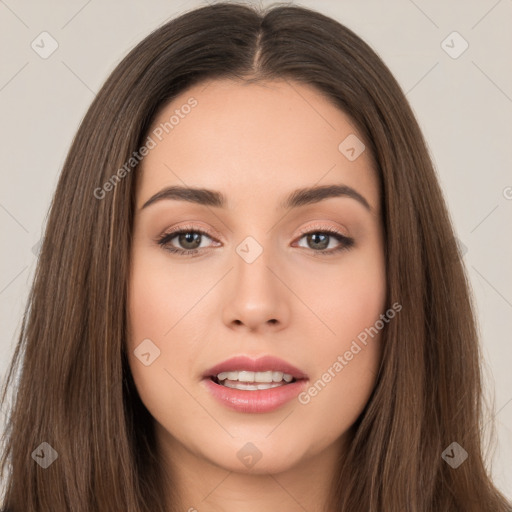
(262, 364)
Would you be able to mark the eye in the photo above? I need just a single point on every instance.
(190, 240)
(319, 238)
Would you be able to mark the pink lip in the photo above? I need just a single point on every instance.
(262, 400)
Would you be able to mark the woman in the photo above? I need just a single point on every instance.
(249, 296)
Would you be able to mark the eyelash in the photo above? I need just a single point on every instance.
(345, 241)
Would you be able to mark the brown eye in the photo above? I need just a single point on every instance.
(319, 241)
(184, 241)
(189, 240)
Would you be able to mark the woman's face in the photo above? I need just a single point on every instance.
(267, 280)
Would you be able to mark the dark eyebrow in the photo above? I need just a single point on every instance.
(193, 195)
(304, 196)
(299, 197)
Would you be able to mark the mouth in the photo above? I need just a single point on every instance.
(254, 385)
(253, 381)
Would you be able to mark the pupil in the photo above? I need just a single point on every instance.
(323, 244)
(193, 238)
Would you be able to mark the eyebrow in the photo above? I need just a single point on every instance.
(299, 197)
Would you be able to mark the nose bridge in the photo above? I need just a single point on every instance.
(252, 263)
(256, 296)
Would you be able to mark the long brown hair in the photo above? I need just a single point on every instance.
(75, 391)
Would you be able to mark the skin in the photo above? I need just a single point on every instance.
(255, 143)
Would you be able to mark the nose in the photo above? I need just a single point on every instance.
(256, 296)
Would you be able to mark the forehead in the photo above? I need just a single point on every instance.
(254, 141)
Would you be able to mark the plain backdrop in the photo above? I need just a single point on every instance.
(462, 98)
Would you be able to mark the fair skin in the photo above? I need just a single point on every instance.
(255, 143)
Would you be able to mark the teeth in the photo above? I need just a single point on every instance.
(251, 387)
(255, 377)
(277, 376)
(247, 377)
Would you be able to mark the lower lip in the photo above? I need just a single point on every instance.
(262, 400)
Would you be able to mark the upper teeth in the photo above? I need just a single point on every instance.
(244, 376)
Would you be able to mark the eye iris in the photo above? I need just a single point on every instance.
(193, 238)
(315, 236)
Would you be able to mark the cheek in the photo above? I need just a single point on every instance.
(362, 289)
(345, 297)
(347, 356)
(157, 298)
(154, 313)
(162, 299)
(344, 374)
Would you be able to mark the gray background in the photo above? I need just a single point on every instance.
(463, 104)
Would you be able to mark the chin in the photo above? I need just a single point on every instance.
(258, 457)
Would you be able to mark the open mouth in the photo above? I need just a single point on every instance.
(249, 385)
(253, 381)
